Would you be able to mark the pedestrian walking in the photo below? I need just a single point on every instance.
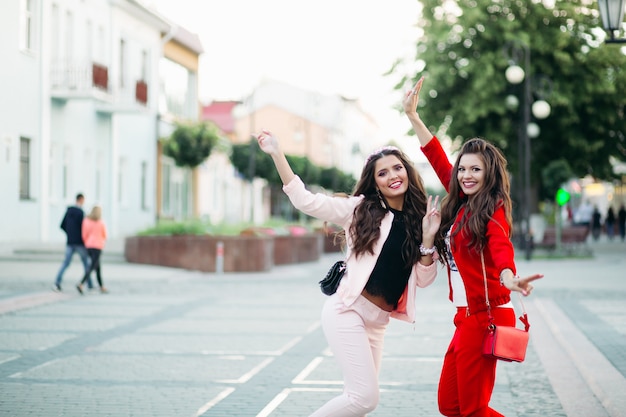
(72, 226)
(389, 226)
(621, 221)
(95, 236)
(609, 223)
(596, 223)
(476, 223)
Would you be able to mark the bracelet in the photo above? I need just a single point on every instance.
(427, 251)
(502, 279)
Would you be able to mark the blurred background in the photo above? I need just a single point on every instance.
(148, 107)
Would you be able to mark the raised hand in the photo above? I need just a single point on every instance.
(267, 142)
(432, 218)
(411, 98)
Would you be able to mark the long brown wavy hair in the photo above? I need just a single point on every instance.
(479, 209)
(365, 227)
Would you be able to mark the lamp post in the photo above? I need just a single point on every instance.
(516, 74)
(612, 14)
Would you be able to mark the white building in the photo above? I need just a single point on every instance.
(78, 113)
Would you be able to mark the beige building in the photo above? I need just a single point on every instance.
(328, 129)
(177, 188)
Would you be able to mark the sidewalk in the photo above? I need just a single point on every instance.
(54, 251)
(168, 342)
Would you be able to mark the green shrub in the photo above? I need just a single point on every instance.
(198, 227)
(169, 228)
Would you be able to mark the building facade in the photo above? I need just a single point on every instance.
(177, 188)
(79, 113)
(330, 130)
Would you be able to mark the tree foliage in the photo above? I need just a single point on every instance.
(190, 144)
(337, 180)
(554, 175)
(465, 50)
(263, 167)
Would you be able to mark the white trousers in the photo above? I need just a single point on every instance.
(355, 335)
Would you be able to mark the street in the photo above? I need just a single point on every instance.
(168, 342)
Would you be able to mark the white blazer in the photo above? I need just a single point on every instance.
(340, 211)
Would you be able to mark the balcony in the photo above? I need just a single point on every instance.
(141, 92)
(92, 80)
(100, 76)
(77, 80)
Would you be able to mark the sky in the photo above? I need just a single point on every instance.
(330, 46)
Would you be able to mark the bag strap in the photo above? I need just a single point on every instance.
(523, 318)
(482, 261)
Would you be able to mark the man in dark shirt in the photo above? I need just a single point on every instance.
(72, 225)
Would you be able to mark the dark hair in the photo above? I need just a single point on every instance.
(79, 196)
(365, 227)
(479, 209)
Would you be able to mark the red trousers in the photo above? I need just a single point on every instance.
(467, 377)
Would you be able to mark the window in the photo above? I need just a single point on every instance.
(52, 182)
(24, 168)
(122, 62)
(100, 50)
(69, 36)
(27, 25)
(70, 65)
(144, 180)
(144, 65)
(89, 43)
(99, 170)
(67, 157)
(55, 47)
(121, 191)
(167, 195)
(174, 80)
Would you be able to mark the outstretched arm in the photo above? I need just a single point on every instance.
(514, 283)
(409, 103)
(269, 145)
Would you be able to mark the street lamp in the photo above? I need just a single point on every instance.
(516, 74)
(612, 14)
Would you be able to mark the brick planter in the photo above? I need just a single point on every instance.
(328, 236)
(291, 249)
(198, 253)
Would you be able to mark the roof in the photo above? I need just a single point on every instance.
(188, 39)
(221, 113)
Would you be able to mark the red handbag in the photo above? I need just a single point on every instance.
(506, 343)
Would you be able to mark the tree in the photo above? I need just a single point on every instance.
(462, 54)
(263, 165)
(553, 176)
(328, 178)
(337, 180)
(190, 144)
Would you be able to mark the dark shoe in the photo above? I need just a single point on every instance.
(56, 288)
(79, 288)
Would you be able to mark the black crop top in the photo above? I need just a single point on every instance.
(391, 274)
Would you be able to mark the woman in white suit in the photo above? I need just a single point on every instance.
(390, 227)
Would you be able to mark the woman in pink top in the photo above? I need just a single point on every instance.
(94, 236)
(390, 226)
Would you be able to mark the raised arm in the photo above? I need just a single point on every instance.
(269, 145)
(409, 103)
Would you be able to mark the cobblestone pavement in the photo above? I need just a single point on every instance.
(168, 342)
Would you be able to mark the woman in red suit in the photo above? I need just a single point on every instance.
(475, 219)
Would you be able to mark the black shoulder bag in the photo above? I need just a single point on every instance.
(332, 279)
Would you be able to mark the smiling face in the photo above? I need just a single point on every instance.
(392, 180)
(471, 173)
